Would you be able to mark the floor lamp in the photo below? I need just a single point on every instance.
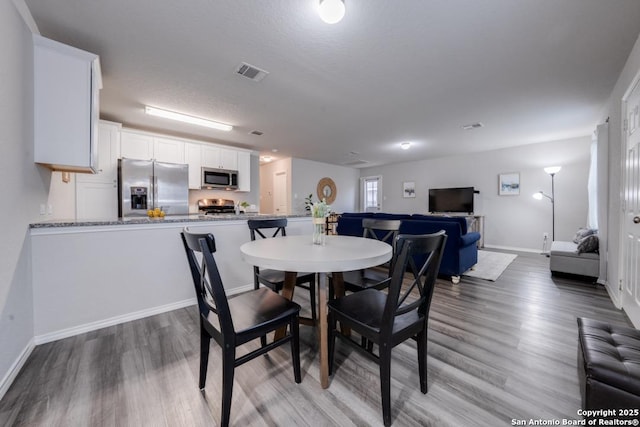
(551, 170)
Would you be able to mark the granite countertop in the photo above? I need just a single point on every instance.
(165, 220)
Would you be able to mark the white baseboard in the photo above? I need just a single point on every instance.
(16, 367)
(512, 248)
(93, 326)
(88, 327)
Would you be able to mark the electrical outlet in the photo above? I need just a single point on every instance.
(50, 209)
(43, 209)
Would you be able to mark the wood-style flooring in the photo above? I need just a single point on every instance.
(498, 351)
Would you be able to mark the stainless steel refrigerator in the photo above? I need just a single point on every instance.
(147, 184)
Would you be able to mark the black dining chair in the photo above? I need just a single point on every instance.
(384, 230)
(274, 279)
(390, 317)
(235, 321)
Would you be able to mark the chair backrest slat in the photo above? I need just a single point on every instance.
(259, 225)
(423, 277)
(210, 292)
(376, 228)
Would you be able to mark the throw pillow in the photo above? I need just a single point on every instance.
(582, 233)
(589, 244)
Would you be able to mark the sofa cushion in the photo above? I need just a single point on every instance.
(457, 219)
(589, 244)
(570, 249)
(582, 233)
(470, 238)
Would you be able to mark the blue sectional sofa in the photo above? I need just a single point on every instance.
(460, 252)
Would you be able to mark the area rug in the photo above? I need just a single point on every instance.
(490, 265)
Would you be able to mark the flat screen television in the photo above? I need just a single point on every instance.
(459, 200)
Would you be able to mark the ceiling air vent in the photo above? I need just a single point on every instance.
(356, 162)
(472, 126)
(251, 72)
(256, 132)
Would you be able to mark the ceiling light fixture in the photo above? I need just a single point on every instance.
(331, 11)
(267, 159)
(405, 145)
(186, 118)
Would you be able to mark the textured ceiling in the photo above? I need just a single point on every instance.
(390, 71)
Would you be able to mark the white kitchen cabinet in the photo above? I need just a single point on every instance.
(134, 145)
(144, 146)
(97, 194)
(244, 171)
(108, 154)
(193, 157)
(168, 150)
(96, 200)
(219, 158)
(66, 103)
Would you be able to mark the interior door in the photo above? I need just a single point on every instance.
(631, 211)
(280, 196)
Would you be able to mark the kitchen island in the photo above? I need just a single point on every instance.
(87, 275)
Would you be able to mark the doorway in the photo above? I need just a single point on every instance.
(280, 193)
(371, 193)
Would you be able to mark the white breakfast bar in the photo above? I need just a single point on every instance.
(87, 275)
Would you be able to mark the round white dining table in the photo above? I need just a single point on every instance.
(298, 254)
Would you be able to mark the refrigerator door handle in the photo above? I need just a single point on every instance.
(152, 192)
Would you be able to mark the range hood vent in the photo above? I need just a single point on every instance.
(251, 72)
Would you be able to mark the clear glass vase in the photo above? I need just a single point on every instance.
(318, 231)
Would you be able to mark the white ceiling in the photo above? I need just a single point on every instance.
(390, 71)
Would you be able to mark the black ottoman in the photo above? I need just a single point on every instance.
(608, 365)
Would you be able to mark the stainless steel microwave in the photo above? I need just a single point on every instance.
(219, 178)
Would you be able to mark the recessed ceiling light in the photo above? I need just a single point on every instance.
(405, 145)
(152, 111)
(331, 11)
(274, 150)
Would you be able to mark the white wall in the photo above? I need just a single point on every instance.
(515, 222)
(614, 112)
(24, 189)
(305, 176)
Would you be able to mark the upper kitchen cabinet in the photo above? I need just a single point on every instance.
(168, 150)
(97, 194)
(244, 171)
(134, 145)
(219, 158)
(144, 146)
(108, 154)
(66, 106)
(193, 157)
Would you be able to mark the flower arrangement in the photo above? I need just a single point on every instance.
(319, 212)
(318, 209)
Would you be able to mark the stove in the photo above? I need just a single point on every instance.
(216, 206)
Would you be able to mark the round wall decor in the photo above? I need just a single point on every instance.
(327, 190)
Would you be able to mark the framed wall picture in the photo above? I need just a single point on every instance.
(408, 189)
(509, 184)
